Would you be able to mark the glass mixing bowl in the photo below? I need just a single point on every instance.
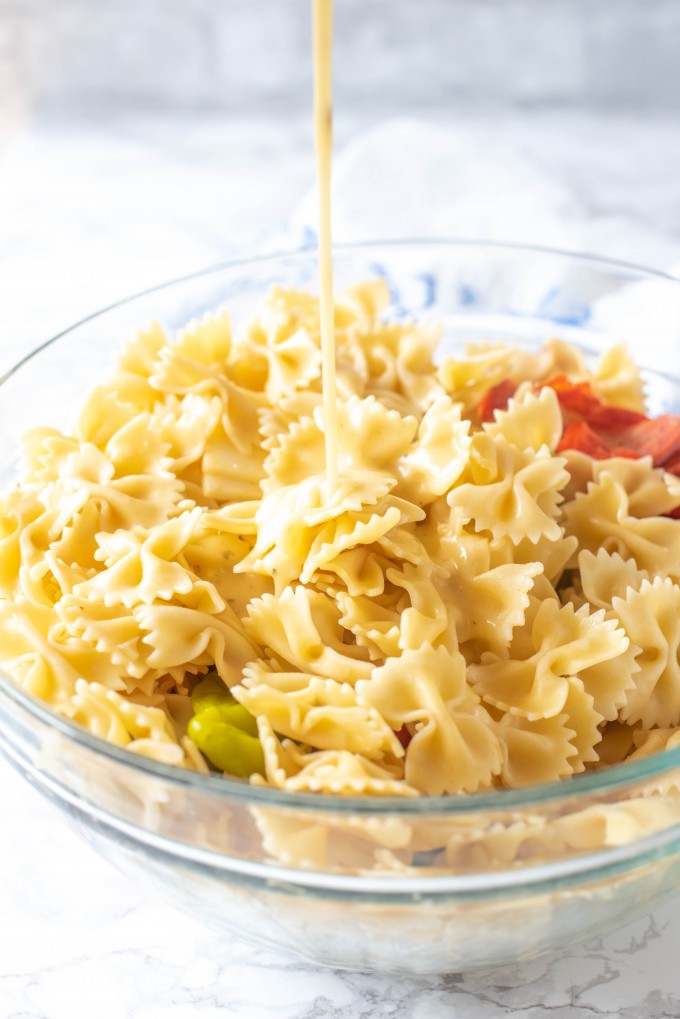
(429, 885)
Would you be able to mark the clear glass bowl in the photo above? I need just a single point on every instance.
(415, 886)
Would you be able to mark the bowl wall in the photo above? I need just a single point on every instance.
(412, 886)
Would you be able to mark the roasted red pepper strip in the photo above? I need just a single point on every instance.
(579, 401)
(575, 397)
(673, 465)
(625, 452)
(655, 437)
(496, 398)
(602, 431)
(404, 736)
(615, 419)
(598, 429)
(580, 436)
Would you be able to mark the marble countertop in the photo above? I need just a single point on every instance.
(90, 214)
(78, 941)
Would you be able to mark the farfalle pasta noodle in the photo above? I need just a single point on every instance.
(473, 607)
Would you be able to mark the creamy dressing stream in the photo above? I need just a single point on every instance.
(323, 137)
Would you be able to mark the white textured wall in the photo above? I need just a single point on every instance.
(72, 56)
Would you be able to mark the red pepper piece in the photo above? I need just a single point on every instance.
(404, 736)
(575, 397)
(496, 398)
(624, 451)
(614, 419)
(616, 430)
(578, 435)
(655, 437)
(672, 465)
(578, 399)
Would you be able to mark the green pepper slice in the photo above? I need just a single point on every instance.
(224, 731)
(210, 693)
(227, 747)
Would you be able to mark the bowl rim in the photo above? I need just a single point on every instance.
(592, 783)
(306, 250)
(549, 876)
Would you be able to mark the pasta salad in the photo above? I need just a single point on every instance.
(490, 597)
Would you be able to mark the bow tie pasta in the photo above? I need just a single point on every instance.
(490, 597)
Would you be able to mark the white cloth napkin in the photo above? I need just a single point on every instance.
(411, 178)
